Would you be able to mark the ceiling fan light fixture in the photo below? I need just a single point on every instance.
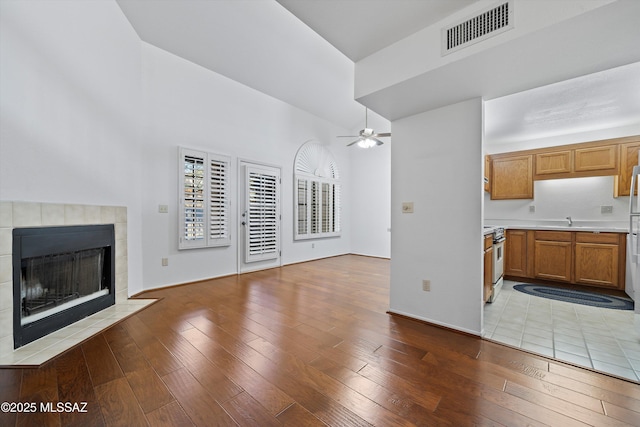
(366, 143)
(367, 137)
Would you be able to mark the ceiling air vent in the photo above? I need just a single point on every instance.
(483, 25)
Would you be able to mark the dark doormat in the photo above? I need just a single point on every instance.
(576, 297)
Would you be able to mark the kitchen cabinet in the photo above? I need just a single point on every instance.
(488, 267)
(628, 159)
(511, 177)
(487, 174)
(601, 159)
(554, 163)
(598, 261)
(516, 253)
(553, 255)
(576, 257)
(575, 161)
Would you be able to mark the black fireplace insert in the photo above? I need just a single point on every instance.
(60, 275)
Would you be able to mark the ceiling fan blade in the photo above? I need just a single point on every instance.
(378, 142)
(381, 135)
(354, 142)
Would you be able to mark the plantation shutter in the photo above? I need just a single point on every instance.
(263, 214)
(204, 200)
(192, 200)
(219, 215)
(317, 193)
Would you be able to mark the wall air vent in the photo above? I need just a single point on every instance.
(481, 26)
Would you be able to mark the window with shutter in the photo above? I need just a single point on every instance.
(318, 193)
(262, 214)
(204, 218)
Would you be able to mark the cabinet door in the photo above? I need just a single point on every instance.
(487, 174)
(552, 260)
(488, 273)
(597, 264)
(628, 159)
(512, 177)
(553, 163)
(596, 158)
(515, 256)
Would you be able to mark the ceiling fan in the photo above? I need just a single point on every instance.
(367, 137)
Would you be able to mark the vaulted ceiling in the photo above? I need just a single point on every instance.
(303, 52)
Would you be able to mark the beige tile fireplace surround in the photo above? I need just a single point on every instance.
(29, 214)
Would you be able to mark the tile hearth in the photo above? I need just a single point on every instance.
(46, 348)
(14, 214)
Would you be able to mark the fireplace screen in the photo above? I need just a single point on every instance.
(53, 283)
(60, 275)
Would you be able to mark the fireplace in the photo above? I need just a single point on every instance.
(60, 275)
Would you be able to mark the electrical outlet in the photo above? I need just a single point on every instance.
(163, 208)
(313, 245)
(532, 208)
(426, 285)
(165, 262)
(407, 207)
(607, 209)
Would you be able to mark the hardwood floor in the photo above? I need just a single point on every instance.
(306, 345)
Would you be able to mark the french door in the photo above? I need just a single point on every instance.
(260, 217)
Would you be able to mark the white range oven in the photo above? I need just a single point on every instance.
(498, 261)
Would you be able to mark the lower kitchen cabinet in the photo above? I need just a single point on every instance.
(488, 267)
(516, 253)
(553, 256)
(598, 260)
(585, 258)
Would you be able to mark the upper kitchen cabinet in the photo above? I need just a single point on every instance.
(601, 159)
(576, 161)
(511, 176)
(558, 162)
(628, 159)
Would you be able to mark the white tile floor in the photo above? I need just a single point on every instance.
(43, 349)
(597, 338)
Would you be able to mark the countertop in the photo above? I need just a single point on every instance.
(559, 225)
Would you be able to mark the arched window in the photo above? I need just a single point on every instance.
(316, 193)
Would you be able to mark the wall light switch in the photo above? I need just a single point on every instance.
(407, 207)
(165, 262)
(163, 208)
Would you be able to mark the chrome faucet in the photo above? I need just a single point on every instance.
(570, 221)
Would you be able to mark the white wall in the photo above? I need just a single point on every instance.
(91, 115)
(187, 105)
(370, 171)
(70, 109)
(436, 163)
(580, 198)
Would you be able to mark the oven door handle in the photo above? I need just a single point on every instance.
(500, 240)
